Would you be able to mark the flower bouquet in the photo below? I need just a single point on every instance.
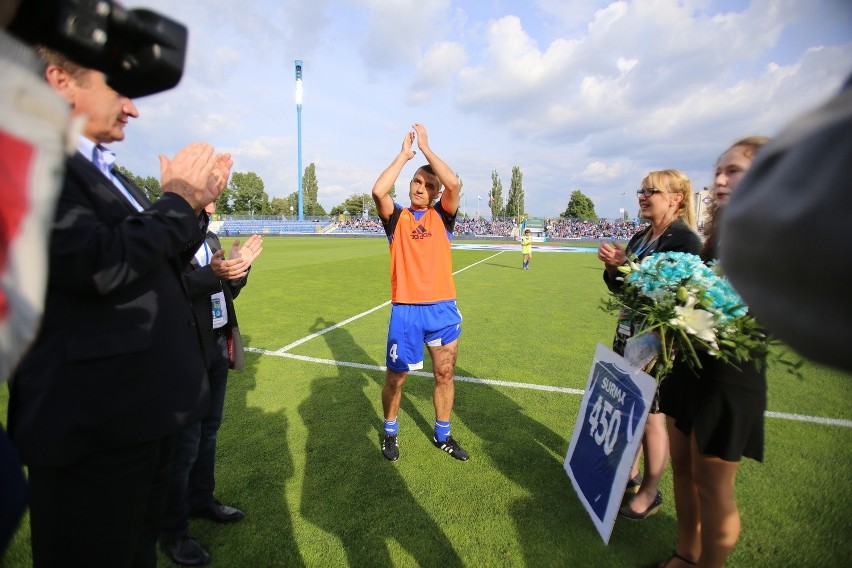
(689, 307)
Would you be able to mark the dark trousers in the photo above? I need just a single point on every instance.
(192, 475)
(13, 491)
(103, 510)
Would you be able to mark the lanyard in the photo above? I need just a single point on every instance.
(646, 245)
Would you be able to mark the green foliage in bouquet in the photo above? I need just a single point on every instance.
(691, 308)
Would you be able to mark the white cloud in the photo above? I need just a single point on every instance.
(437, 69)
(397, 30)
(587, 94)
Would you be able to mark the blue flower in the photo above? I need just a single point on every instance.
(688, 304)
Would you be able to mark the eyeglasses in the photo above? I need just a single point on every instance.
(647, 191)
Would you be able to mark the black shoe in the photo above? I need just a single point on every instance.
(452, 447)
(219, 513)
(628, 513)
(674, 556)
(390, 447)
(633, 485)
(185, 551)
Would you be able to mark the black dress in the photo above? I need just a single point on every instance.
(723, 405)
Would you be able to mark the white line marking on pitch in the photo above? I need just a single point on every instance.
(326, 330)
(769, 414)
(814, 419)
(362, 314)
(334, 363)
(283, 352)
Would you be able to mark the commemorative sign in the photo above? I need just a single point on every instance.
(607, 435)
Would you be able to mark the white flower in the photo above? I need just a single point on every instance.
(697, 322)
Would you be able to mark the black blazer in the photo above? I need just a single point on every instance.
(679, 237)
(201, 282)
(118, 359)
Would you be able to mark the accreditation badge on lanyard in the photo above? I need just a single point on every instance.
(220, 314)
(625, 323)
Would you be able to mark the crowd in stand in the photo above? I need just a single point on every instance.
(484, 227)
(591, 230)
(554, 228)
(359, 225)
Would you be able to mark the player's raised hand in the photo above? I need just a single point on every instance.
(407, 143)
(422, 137)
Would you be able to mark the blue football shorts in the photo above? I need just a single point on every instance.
(412, 325)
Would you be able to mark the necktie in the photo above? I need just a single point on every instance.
(101, 160)
(104, 159)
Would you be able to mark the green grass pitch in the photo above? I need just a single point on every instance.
(299, 445)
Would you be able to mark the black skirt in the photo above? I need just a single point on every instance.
(723, 406)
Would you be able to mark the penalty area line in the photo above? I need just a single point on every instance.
(362, 314)
(326, 330)
(477, 262)
(531, 386)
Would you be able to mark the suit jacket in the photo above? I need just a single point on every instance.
(118, 359)
(201, 282)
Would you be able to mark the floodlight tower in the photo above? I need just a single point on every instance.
(299, 133)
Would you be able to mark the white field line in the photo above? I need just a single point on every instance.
(365, 367)
(283, 352)
(362, 314)
(805, 418)
(326, 330)
(511, 384)
(477, 262)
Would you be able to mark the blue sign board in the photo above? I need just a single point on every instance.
(607, 435)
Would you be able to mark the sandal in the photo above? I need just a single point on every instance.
(633, 485)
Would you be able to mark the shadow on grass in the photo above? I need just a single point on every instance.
(498, 265)
(253, 466)
(552, 526)
(350, 490)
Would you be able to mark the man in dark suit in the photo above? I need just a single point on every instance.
(213, 283)
(118, 365)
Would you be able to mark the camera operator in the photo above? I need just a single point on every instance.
(32, 121)
(117, 364)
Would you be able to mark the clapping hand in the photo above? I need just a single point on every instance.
(241, 259)
(250, 250)
(196, 174)
(612, 255)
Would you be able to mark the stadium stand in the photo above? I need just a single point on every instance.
(230, 227)
(553, 229)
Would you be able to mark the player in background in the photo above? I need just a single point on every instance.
(423, 294)
(526, 248)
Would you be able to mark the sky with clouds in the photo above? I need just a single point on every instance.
(580, 94)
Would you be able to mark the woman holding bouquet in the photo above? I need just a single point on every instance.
(665, 199)
(713, 419)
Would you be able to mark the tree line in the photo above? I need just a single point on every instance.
(245, 195)
(579, 205)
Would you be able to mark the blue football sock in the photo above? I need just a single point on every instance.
(442, 430)
(391, 427)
